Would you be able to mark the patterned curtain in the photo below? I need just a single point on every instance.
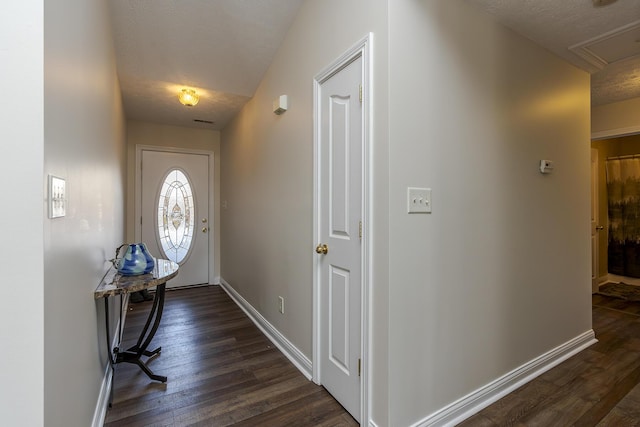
(623, 190)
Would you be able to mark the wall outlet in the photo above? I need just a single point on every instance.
(281, 305)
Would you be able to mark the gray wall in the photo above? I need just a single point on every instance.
(616, 119)
(267, 178)
(499, 273)
(84, 133)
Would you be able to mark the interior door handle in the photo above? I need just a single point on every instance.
(322, 249)
(600, 227)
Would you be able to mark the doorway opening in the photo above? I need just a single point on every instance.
(614, 262)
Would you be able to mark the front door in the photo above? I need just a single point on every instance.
(340, 119)
(175, 212)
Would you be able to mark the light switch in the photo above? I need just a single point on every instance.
(418, 200)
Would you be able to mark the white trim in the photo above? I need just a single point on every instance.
(363, 48)
(212, 196)
(613, 278)
(615, 133)
(583, 50)
(102, 404)
(372, 424)
(465, 407)
(103, 399)
(287, 348)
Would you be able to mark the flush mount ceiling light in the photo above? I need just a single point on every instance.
(188, 97)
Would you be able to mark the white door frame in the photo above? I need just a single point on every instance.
(361, 49)
(212, 213)
(595, 222)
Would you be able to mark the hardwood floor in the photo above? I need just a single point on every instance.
(598, 387)
(222, 372)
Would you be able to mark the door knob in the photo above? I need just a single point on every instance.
(600, 227)
(204, 229)
(322, 249)
(204, 220)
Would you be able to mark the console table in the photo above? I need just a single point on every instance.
(114, 284)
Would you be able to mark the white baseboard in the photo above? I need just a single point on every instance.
(102, 404)
(462, 409)
(292, 353)
(103, 399)
(216, 280)
(612, 278)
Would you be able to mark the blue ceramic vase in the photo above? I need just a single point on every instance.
(137, 260)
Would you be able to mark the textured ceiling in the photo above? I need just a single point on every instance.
(559, 25)
(221, 48)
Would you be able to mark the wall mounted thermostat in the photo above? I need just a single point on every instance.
(546, 166)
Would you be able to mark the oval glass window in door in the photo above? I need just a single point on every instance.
(175, 216)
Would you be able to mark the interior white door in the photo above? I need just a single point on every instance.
(595, 226)
(175, 212)
(340, 213)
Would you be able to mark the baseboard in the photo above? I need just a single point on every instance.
(216, 280)
(612, 278)
(102, 404)
(292, 353)
(462, 409)
(103, 399)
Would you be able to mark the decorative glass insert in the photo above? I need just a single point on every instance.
(175, 216)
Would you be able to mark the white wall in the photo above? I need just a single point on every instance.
(84, 133)
(499, 273)
(267, 179)
(616, 119)
(21, 127)
(143, 133)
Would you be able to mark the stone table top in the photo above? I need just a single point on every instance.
(115, 283)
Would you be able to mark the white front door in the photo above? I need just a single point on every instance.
(175, 212)
(340, 118)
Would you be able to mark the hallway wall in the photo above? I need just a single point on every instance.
(84, 133)
(499, 273)
(616, 119)
(267, 180)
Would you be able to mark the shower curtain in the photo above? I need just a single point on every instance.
(623, 191)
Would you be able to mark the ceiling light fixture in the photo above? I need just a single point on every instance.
(188, 97)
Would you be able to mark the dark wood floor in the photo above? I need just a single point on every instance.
(222, 372)
(598, 387)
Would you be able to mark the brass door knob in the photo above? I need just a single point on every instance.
(205, 229)
(322, 249)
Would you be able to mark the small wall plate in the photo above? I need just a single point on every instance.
(57, 197)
